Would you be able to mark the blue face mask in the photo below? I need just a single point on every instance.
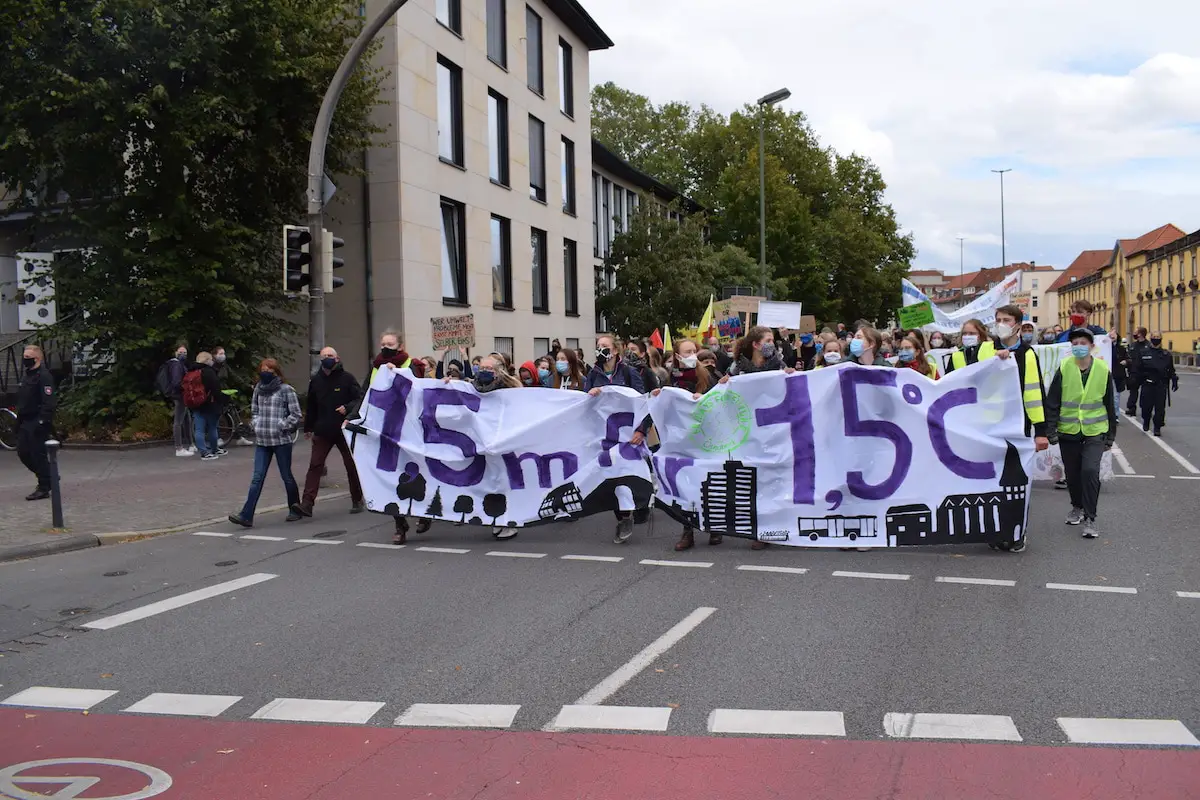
(563, 367)
(856, 347)
(328, 363)
(543, 373)
(806, 339)
(1027, 338)
(485, 376)
(907, 355)
(1081, 350)
(820, 346)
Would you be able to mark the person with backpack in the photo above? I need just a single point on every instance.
(169, 383)
(201, 392)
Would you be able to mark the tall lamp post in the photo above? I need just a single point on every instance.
(961, 239)
(1003, 252)
(763, 103)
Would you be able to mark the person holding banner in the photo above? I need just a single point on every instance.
(912, 356)
(1081, 414)
(866, 348)
(392, 356)
(1009, 327)
(568, 372)
(611, 370)
(831, 354)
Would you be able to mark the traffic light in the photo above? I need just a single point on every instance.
(296, 258)
(330, 262)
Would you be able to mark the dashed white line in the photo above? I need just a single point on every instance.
(1185, 477)
(172, 603)
(765, 568)
(319, 541)
(454, 550)
(1082, 587)
(605, 559)
(611, 718)
(987, 727)
(777, 723)
(974, 581)
(513, 554)
(59, 697)
(653, 562)
(254, 537)
(1082, 730)
(184, 705)
(881, 576)
(1143, 477)
(1193, 595)
(382, 545)
(293, 709)
(457, 715)
(212, 534)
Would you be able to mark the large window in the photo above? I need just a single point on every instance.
(606, 219)
(571, 344)
(498, 137)
(541, 346)
(503, 344)
(454, 252)
(567, 160)
(566, 80)
(595, 215)
(571, 277)
(533, 51)
(449, 13)
(501, 262)
(497, 31)
(537, 159)
(541, 278)
(450, 112)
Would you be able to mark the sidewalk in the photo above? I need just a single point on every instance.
(142, 490)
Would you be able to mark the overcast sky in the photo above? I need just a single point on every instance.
(1094, 104)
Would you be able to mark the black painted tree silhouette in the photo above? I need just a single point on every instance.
(411, 486)
(494, 505)
(435, 505)
(464, 505)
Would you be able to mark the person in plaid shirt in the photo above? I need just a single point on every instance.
(275, 412)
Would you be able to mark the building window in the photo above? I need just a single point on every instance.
(537, 159)
(571, 344)
(1034, 300)
(606, 216)
(539, 273)
(566, 80)
(567, 159)
(454, 252)
(501, 262)
(1035, 280)
(540, 347)
(571, 277)
(1035, 319)
(595, 215)
(503, 344)
(497, 32)
(533, 50)
(450, 112)
(449, 13)
(1193, 265)
(498, 137)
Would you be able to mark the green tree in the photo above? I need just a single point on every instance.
(170, 138)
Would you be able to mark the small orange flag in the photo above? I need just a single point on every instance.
(656, 339)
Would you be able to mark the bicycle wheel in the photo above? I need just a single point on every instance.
(226, 425)
(8, 429)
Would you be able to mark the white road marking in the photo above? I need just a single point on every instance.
(1080, 587)
(882, 576)
(764, 568)
(454, 550)
(1185, 477)
(457, 715)
(293, 709)
(1122, 461)
(184, 705)
(1194, 595)
(254, 537)
(172, 603)
(1166, 448)
(513, 554)
(605, 559)
(214, 535)
(988, 727)
(58, 697)
(626, 672)
(1145, 477)
(611, 718)
(975, 581)
(319, 541)
(382, 545)
(777, 723)
(1127, 731)
(651, 562)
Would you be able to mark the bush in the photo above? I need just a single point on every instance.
(148, 420)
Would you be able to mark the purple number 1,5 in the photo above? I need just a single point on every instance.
(795, 411)
(879, 429)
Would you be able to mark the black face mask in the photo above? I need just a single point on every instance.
(1156, 342)
(28, 363)
(388, 352)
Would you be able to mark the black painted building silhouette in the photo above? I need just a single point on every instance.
(561, 502)
(729, 500)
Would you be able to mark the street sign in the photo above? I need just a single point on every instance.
(62, 772)
(916, 316)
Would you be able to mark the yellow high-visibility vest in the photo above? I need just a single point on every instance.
(1083, 406)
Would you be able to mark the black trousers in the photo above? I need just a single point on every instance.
(31, 448)
(1081, 461)
(1154, 404)
(1132, 404)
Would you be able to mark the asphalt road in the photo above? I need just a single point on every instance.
(349, 620)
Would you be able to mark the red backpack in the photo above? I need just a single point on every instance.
(194, 393)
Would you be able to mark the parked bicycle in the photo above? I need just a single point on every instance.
(8, 429)
(232, 427)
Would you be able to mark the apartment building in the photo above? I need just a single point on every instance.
(476, 196)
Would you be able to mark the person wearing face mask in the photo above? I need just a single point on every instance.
(545, 372)
(831, 353)
(639, 360)
(1081, 416)
(937, 341)
(528, 374)
(174, 371)
(1155, 371)
(807, 351)
(911, 355)
(974, 346)
(37, 398)
(568, 372)
(333, 396)
(275, 414)
(1141, 343)
(611, 370)
(723, 358)
(1010, 330)
(866, 348)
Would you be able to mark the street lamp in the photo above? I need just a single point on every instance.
(763, 102)
(961, 239)
(1003, 252)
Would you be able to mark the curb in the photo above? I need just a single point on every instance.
(117, 446)
(65, 545)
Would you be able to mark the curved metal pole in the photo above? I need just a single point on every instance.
(316, 177)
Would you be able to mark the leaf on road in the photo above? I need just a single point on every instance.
(30, 716)
(660, 670)
(224, 752)
(106, 675)
(458, 668)
(672, 705)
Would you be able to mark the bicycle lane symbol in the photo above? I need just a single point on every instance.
(74, 785)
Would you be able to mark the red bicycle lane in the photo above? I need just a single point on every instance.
(255, 760)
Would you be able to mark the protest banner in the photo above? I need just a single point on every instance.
(916, 316)
(982, 308)
(456, 331)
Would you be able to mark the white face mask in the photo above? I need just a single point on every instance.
(831, 357)
(687, 362)
(1005, 331)
(970, 340)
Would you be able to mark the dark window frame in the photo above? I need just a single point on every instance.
(454, 12)
(504, 157)
(458, 254)
(571, 277)
(457, 138)
(506, 279)
(538, 253)
(567, 171)
(566, 78)
(535, 60)
(537, 191)
(497, 11)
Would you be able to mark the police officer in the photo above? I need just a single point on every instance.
(1136, 348)
(36, 399)
(1155, 369)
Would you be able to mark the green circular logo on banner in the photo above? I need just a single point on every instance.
(722, 422)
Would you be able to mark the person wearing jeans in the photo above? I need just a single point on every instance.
(176, 369)
(275, 411)
(204, 418)
(333, 396)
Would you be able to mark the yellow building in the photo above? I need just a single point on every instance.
(1082, 280)
(1162, 292)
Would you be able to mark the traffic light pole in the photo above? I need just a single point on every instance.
(316, 178)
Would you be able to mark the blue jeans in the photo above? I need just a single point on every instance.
(262, 462)
(204, 424)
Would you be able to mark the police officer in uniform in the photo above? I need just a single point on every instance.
(1136, 348)
(1154, 369)
(36, 400)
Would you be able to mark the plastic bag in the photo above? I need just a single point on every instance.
(1048, 465)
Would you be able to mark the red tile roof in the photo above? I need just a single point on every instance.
(1084, 264)
(926, 273)
(1149, 241)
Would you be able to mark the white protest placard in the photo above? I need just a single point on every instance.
(982, 308)
(778, 314)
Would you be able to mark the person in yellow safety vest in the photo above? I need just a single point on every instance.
(1081, 412)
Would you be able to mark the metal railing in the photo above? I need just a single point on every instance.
(58, 359)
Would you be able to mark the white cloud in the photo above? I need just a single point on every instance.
(1094, 104)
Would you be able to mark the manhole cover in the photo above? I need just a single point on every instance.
(327, 534)
(74, 612)
(116, 573)
(225, 563)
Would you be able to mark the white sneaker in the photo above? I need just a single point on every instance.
(185, 452)
(191, 450)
